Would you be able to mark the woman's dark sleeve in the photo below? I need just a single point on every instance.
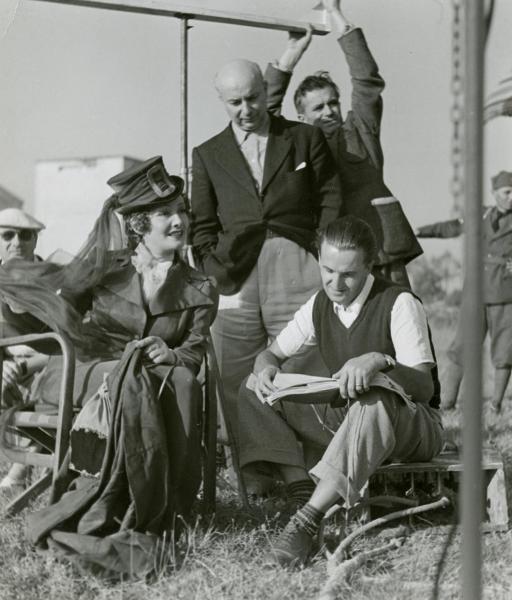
(191, 351)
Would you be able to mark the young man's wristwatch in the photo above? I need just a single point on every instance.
(391, 363)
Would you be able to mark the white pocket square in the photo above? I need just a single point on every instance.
(301, 166)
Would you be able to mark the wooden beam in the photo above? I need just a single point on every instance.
(169, 8)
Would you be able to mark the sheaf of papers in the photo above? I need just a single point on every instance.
(293, 384)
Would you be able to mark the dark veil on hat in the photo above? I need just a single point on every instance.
(40, 288)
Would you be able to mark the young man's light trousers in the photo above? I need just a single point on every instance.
(376, 428)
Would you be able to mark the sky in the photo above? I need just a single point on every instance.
(82, 82)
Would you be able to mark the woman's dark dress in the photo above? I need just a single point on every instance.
(151, 470)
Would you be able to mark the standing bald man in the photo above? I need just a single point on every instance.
(260, 190)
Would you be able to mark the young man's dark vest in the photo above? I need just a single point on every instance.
(370, 332)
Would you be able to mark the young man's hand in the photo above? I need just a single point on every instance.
(356, 374)
(264, 382)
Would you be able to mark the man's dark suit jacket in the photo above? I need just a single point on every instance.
(357, 150)
(300, 192)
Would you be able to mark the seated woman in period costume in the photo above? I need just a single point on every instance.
(147, 317)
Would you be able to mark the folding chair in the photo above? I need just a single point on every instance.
(49, 423)
(50, 427)
(218, 429)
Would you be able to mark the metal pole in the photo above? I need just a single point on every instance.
(489, 13)
(184, 100)
(472, 495)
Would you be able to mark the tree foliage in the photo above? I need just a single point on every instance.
(437, 278)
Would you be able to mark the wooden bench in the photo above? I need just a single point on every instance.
(495, 500)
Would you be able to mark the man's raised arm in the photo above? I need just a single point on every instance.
(442, 229)
(278, 75)
(367, 84)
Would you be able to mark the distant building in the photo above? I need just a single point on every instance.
(8, 200)
(69, 195)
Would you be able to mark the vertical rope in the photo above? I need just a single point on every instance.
(457, 108)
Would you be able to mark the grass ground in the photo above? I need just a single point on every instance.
(225, 558)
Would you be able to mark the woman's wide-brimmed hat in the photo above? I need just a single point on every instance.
(145, 186)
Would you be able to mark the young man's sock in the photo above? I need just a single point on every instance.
(309, 518)
(299, 492)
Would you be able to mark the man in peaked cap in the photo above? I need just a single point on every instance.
(18, 238)
(502, 180)
(18, 234)
(497, 232)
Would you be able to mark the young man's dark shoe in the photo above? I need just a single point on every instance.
(296, 543)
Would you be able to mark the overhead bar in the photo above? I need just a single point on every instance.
(169, 8)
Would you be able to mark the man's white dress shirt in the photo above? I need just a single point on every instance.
(253, 145)
(409, 331)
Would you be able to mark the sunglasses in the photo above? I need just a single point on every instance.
(24, 235)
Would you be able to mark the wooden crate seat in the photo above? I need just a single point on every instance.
(495, 502)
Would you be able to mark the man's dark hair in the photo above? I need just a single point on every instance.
(349, 233)
(318, 81)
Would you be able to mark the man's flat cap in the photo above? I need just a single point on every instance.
(19, 219)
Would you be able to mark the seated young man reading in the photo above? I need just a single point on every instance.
(362, 325)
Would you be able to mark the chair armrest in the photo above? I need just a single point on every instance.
(67, 382)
